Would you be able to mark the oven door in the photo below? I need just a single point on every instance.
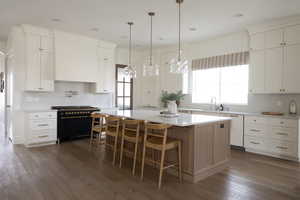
(74, 127)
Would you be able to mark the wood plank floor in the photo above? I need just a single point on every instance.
(71, 171)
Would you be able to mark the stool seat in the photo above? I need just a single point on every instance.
(157, 143)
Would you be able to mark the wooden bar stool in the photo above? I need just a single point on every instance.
(112, 130)
(130, 134)
(156, 138)
(98, 127)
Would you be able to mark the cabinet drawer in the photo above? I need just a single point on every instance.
(289, 134)
(43, 124)
(283, 148)
(43, 115)
(255, 143)
(284, 122)
(258, 130)
(42, 137)
(255, 120)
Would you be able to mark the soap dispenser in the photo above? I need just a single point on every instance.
(293, 107)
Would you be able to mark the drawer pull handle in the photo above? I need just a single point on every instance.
(43, 136)
(254, 142)
(279, 147)
(286, 134)
(254, 130)
(42, 125)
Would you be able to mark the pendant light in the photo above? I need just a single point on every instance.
(151, 69)
(179, 65)
(130, 70)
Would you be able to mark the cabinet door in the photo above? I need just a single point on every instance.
(47, 71)
(110, 72)
(292, 35)
(257, 41)
(274, 68)
(257, 72)
(236, 130)
(46, 43)
(274, 38)
(291, 70)
(33, 70)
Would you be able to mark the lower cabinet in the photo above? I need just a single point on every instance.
(272, 136)
(41, 128)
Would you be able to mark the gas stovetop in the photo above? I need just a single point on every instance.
(62, 108)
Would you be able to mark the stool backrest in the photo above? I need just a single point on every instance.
(132, 126)
(112, 123)
(98, 119)
(157, 131)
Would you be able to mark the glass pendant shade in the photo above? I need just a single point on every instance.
(179, 65)
(150, 69)
(130, 69)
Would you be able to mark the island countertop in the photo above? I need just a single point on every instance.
(154, 116)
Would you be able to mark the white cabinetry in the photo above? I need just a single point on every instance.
(41, 128)
(39, 60)
(272, 136)
(106, 71)
(75, 58)
(274, 61)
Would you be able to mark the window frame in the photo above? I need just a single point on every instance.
(220, 91)
(123, 96)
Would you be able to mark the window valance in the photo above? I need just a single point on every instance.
(241, 58)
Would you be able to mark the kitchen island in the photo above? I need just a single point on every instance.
(205, 140)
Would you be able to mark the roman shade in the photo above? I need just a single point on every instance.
(241, 58)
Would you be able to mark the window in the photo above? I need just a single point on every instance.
(229, 85)
(123, 89)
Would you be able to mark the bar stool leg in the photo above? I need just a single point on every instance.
(143, 161)
(161, 167)
(135, 155)
(115, 149)
(121, 151)
(179, 162)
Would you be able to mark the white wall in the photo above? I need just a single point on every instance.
(235, 42)
(2, 46)
(2, 97)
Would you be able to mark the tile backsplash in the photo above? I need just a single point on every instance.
(257, 103)
(67, 94)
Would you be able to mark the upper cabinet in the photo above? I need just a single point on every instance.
(274, 61)
(106, 70)
(75, 58)
(39, 59)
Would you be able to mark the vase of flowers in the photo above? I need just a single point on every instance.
(172, 96)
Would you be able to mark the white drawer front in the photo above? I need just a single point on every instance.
(283, 148)
(43, 124)
(284, 122)
(43, 115)
(258, 130)
(289, 134)
(42, 137)
(255, 120)
(255, 143)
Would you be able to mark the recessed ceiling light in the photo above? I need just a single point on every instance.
(56, 20)
(238, 15)
(193, 29)
(95, 29)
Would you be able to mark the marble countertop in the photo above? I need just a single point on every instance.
(286, 116)
(154, 116)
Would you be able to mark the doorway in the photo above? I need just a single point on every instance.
(124, 89)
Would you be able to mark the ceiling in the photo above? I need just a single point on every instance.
(210, 17)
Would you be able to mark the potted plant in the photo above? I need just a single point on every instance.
(166, 96)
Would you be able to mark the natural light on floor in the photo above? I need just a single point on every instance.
(229, 85)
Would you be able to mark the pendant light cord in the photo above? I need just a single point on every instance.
(151, 40)
(129, 59)
(179, 31)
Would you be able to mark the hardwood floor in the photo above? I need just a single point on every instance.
(71, 171)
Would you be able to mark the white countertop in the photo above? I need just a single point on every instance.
(286, 116)
(154, 116)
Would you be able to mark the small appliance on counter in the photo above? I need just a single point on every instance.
(73, 122)
(293, 107)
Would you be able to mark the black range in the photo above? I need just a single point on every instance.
(73, 122)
